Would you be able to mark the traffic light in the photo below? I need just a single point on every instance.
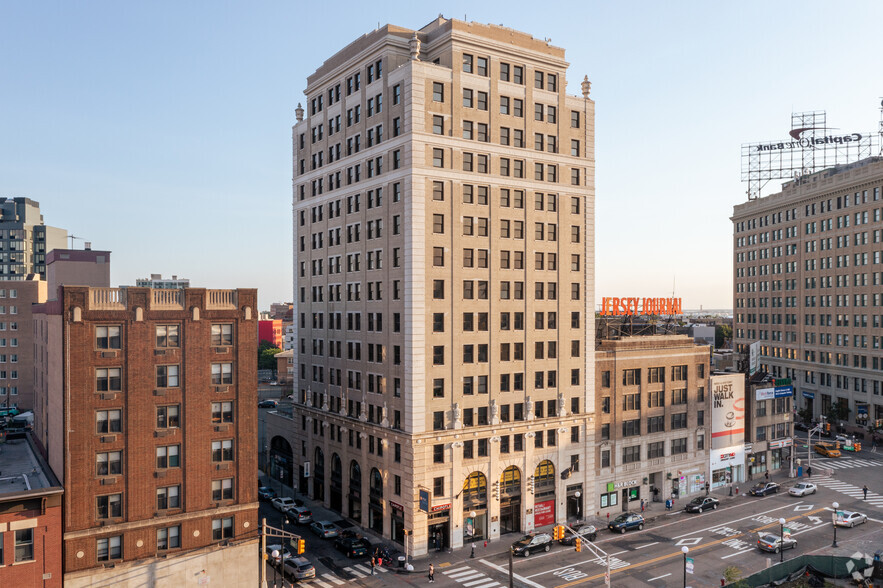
(556, 535)
(827, 427)
(578, 543)
(301, 546)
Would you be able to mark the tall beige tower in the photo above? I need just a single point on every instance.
(444, 292)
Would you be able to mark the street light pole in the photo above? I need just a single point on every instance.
(686, 550)
(781, 540)
(834, 520)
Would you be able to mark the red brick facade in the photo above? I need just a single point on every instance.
(43, 515)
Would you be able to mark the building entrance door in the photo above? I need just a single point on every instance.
(510, 515)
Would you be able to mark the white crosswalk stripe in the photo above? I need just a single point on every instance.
(319, 582)
(455, 570)
(355, 572)
(852, 491)
(470, 578)
(489, 584)
(844, 463)
(333, 578)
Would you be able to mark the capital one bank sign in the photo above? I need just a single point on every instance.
(727, 410)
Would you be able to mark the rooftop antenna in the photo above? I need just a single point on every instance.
(72, 237)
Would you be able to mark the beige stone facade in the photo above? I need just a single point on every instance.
(653, 426)
(808, 271)
(444, 260)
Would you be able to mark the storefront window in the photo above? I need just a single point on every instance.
(609, 499)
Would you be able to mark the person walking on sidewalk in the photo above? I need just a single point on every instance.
(431, 573)
(865, 490)
(373, 563)
(766, 475)
(809, 472)
(707, 488)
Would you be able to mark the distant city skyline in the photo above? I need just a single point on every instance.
(162, 132)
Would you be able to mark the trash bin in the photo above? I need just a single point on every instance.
(401, 561)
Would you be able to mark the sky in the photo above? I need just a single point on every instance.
(162, 130)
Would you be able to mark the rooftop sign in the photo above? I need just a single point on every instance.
(640, 306)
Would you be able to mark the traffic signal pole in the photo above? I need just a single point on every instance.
(584, 543)
(268, 531)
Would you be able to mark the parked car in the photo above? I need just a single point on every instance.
(764, 488)
(266, 493)
(802, 489)
(299, 568)
(267, 404)
(283, 553)
(532, 543)
(826, 449)
(282, 504)
(325, 529)
(625, 522)
(300, 514)
(351, 546)
(774, 543)
(799, 426)
(587, 531)
(701, 503)
(846, 518)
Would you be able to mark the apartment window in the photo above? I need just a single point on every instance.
(109, 548)
(504, 105)
(657, 398)
(631, 428)
(438, 486)
(438, 388)
(438, 355)
(504, 72)
(605, 379)
(108, 380)
(438, 125)
(518, 74)
(167, 417)
(605, 463)
(109, 463)
(168, 456)
(438, 421)
(168, 538)
(655, 375)
(396, 94)
(438, 453)
(222, 450)
(167, 336)
(107, 337)
(222, 412)
(538, 111)
(656, 424)
(631, 454)
(166, 376)
(438, 158)
(679, 373)
(631, 377)
(222, 373)
(222, 334)
(574, 119)
(438, 256)
(222, 529)
(168, 497)
(107, 507)
(631, 402)
(679, 446)
(108, 421)
(679, 396)
(438, 92)
(222, 489)
(679, 421)
(438, 289)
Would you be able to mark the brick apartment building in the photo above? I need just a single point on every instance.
(156, 391)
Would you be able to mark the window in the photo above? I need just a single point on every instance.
(679, 396)
(108, 421)
(168, 497)
(656, 424)
(679, 446)
(679, 421)
(438, 486)
(168, 538)
(107, 337)
(438, 92)
(679, 373)
(222, 529)
(166, 376)
(167, 417)
(438, 453)
(631, 377)
(168, 456)
(222, 335)
(657, 398)
(631, 428)
(655, 375)
(108, 380)
(222, 412)
(109, 548)
(631, 402)
(222, 489)
(656, 449)
(167, 336)
(574, 119)
(222, 450)
(109, 463)
(631, 454)
(438, 158)
(438, 125)
(108, 507)
(222, 373)
(605, 463)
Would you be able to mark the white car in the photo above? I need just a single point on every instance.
(846, 518)
(300, 514)
(324, 529)
(283, 503)
(802, 489)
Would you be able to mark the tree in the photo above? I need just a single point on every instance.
(839, 411)
(805, 415)
(722, 334)
(267, 355)
(733, 577)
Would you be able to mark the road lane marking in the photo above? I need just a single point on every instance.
(594, 559)
(735, 521)
(647, 545)
(659, 577)
(514, 575)
(738, 553)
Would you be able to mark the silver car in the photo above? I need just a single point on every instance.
(846, 518)
(802, 489)
(299, 568)
(325, 529)
(775, 543)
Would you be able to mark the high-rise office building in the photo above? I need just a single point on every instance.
(25, 239)
(807, 289)
(444, 259)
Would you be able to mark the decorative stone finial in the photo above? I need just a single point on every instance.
(299, 112)
(587, 87)
(414, 45)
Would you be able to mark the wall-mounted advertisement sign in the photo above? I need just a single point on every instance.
(727, 410)
(770, 393)
(753, 355)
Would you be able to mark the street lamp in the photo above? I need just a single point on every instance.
(686, 550)
(472, 516)
(275, 554)
(781, 540)
(834, 520)
(577, 495)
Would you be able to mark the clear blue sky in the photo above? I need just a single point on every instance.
(162, 130)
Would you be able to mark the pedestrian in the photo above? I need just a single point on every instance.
(707, 488)
(431, 573)
(766, 475)
(865, 490)
(373, 563)
(642, 505)
(809, 472)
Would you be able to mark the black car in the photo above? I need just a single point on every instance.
(266, 493)
(764, 488)
(351, 547)
(267, 404)
(702, 503)
(532, 543)
(801, 426)
(586, 531)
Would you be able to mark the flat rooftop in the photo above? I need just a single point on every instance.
(21, 470)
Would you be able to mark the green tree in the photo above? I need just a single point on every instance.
(839, 411)
(267, 355)
(733, 577)
(722, 334)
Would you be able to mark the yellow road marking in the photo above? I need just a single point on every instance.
(679, 554)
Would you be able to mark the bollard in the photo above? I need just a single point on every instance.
(485, 542)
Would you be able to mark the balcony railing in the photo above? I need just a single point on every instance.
(220, 299)
(107, 298)
(167, 300)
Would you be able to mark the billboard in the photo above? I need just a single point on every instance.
(770, 393)
(753, 354)
(727, 410)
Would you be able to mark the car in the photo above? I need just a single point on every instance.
(841, 438)
(532, 543)
(802, 489)
(702, 503)
(586, 531)
(826, 449)
(351, 546)
(846, 518)
(764, 488)
(798, 426)
(283, 553)
(300, 514)
(324, 529)
(625, 522)
(299, 568)
(774, 543)
(267, 404)
(266, 493)
(282, 503)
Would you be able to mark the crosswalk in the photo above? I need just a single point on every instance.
(470, 578)
(363, 570)
(852, 491)
(839, 463)
(332, 581)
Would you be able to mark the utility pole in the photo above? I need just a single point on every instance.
(511, 576)
(264, 552)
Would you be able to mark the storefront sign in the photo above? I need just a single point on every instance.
(727, 410)
(770, 393)
(544, 513)
(623, 484)
(780, 443)
(810, 395)
(646, 306)
(396, 506)
(440, 507)
(424, 501)
(729, 456)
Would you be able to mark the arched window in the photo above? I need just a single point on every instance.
(376, 483)
(544, 475)
(510, 481)
(475, 488)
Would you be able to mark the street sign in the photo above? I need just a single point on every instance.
(689, 565)
(424, 500)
